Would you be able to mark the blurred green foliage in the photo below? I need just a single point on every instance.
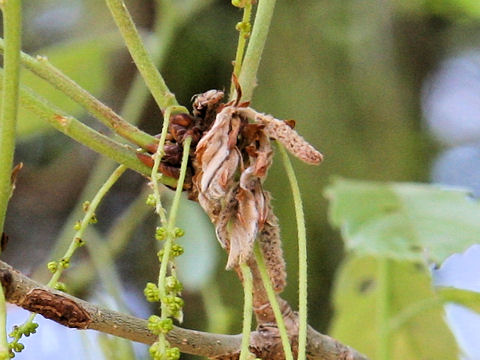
(349, 72)
(401, 220)
(75, 58)
(420, 331)
(462, 10)
(410, 224)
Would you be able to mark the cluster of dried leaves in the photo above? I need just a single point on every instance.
(231, 162)
(230, 157)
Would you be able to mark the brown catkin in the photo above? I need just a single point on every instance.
(293, 142)
(271, 247)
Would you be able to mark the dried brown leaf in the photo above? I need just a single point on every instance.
(213, 149)
(232, 160)
(206, 105)
(243, 229)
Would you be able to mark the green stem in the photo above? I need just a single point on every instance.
(170, 16)
(84, 134)
(251, 62)
(77, 240)
(12, 22)
(183, 172)
(272, 297)
(145, 65)
(159, 42)
(171, 237)
(244, 33)
(158, 158)
(302, 254)
(247, 310)
(12, 26)
(172, 217)
(44, 69)
(116, 239)
(384, 309)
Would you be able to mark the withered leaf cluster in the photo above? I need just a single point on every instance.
(232, 159)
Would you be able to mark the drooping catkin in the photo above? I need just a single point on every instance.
(271, 246)
(293, 142)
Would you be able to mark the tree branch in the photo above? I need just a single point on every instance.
(76, 313)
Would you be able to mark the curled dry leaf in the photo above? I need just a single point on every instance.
(231, 162)
(216, 157)
(205, 106)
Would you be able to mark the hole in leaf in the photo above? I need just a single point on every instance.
(366, 285)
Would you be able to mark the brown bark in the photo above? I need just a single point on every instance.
(76, 313)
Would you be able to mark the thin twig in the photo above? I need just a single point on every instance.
(104, 250)
(58, 267)
(84, 134)
(77, 240)
(251, 62)
(302, 253)
(244, 28)
(247, 311)
(274, 304)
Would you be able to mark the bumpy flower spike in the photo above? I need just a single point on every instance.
(283, 132)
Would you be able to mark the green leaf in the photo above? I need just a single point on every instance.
(403, 220)
(85, 61)
(418, 330)
(467, 298)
